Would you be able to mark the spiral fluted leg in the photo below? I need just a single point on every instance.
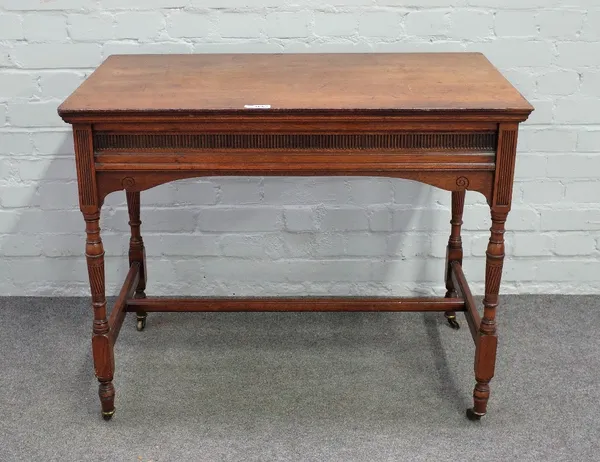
(487, 340)
(454, 250)
(137, 252)
(102, 348)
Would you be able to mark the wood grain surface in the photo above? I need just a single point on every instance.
(296, 82)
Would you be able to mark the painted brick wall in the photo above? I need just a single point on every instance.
(304, 235)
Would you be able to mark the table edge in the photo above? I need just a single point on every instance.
(490, 115)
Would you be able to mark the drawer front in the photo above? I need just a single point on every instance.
(446, 156)
(300, 152)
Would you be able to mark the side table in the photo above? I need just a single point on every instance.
(447, 119)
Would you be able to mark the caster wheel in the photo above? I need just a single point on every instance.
(472, 415)
(108, 415)
(141, 324)
(453, 322)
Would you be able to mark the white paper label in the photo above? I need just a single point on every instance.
(257, 106)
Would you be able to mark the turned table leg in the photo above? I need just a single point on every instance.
(102, 348)
(485, 350)
(137, 252)
(454, 250)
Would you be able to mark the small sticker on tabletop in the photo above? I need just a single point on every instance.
(257, 106)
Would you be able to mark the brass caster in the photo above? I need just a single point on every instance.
(108, 415)
(453, 322)
(141, 324)
(472, 415)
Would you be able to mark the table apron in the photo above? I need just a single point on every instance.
(457, 178)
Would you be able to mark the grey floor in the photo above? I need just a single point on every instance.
(300, 386)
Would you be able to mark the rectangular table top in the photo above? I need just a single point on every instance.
(209, 83)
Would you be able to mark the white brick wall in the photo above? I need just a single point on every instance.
(302, 235)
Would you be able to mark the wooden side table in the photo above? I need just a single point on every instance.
(449, 120)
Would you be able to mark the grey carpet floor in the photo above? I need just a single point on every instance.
(300, 386)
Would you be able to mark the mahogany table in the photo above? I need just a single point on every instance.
(449, 120)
